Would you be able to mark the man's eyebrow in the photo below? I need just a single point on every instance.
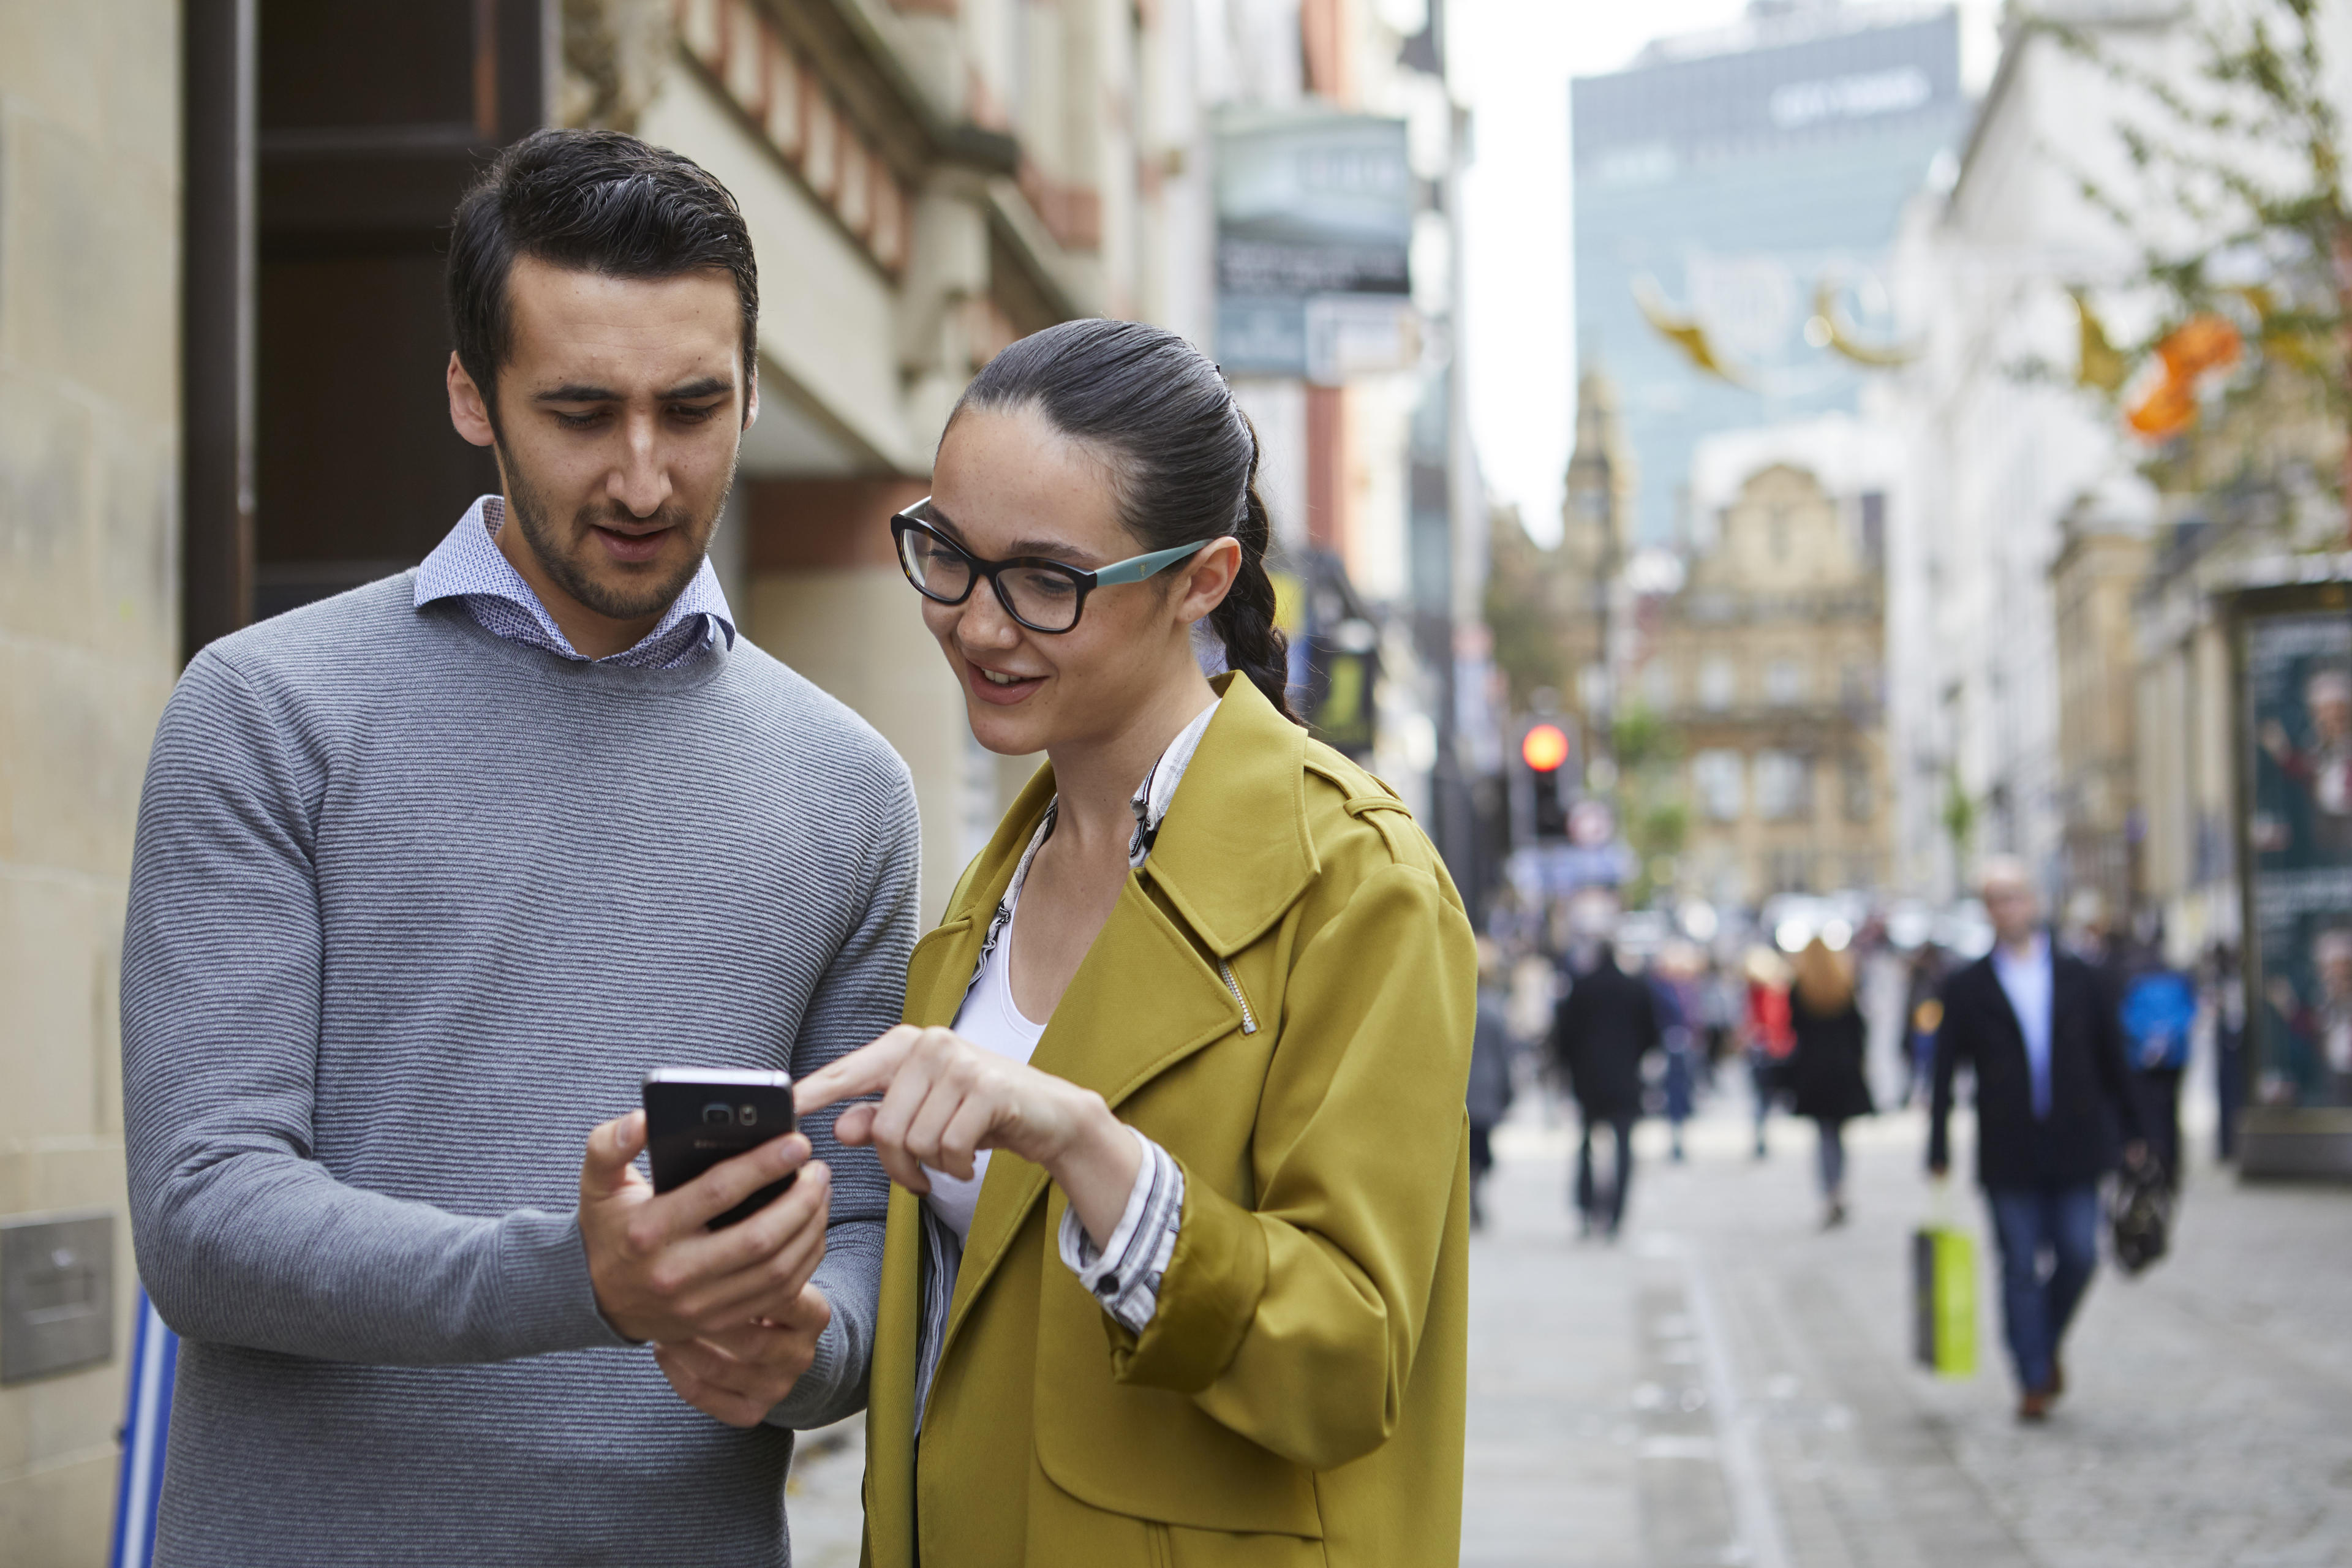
(582, 392)
(576, 392)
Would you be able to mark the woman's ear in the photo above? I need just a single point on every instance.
(1209, 579)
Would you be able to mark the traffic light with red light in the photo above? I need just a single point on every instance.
(1546, 747)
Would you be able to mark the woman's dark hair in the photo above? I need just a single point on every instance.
(1181, 454)
(594, 201)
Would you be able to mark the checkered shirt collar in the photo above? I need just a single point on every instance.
(468, 564)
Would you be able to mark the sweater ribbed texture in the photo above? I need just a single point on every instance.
(412, 910)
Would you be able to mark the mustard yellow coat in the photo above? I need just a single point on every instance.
(1298, 1396)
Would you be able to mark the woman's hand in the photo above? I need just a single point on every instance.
(944, 1099)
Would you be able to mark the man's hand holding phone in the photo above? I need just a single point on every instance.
(738, 1374)
(660, 1274)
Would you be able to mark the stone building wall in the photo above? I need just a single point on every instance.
(90, 407)
(1767, 666)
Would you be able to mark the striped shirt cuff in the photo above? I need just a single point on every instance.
(1124, 1275)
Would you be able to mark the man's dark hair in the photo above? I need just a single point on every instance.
(595, 201)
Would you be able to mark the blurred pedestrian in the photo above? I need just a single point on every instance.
(429, 875)
(1826, 1076)
(1723, 1001)
(1681, 997)
(2157, 1011)
(2225, 1006)
(1605, 1025)
(2032, 1023)
(1922, 1011)
(1766, 1034)
(1493, 1046)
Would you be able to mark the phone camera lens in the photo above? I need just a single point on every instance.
(717, 1115)
(748, 1116)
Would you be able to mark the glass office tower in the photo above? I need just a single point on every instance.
(1736, 181)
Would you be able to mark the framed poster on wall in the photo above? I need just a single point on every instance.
(2294, 657)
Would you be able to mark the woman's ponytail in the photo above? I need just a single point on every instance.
(1246, 620)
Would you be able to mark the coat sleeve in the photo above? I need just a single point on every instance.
(1295, 1322)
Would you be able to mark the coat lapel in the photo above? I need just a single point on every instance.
(1111, 1037)
(1232, 854)
(939, 971)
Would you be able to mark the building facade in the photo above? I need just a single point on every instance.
(1597, 517)
(1999, 458)
(2095, 584)
(1740, 190)
(923, 187)
(1767, 666)
(89, 645)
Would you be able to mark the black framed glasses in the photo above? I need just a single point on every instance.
(1044, 596)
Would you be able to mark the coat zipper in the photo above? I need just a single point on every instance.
(1249, 1020)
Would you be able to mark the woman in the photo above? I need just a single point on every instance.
(1767, 1036)
(1207, 999)
(1826, 1068)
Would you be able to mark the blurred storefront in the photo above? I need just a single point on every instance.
(2291, 621)
(1336, 214)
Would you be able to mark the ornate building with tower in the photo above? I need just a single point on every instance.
(1596, 518)
(1767, 669)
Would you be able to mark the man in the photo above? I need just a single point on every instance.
(2042, 1037)
(427, 876)
(2158, 1009)
(1605, 1026)
(1488, 1097)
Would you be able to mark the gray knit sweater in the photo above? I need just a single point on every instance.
(412, 908)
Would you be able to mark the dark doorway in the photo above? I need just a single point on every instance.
(368, 122)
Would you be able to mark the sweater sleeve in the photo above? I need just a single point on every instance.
(862, 995)
(243, 1237)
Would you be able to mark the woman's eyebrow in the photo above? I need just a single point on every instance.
(1051, 549)
(928, 511)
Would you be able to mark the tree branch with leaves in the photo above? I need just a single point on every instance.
(2242, 216)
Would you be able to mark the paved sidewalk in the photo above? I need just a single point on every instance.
(1729, 1385)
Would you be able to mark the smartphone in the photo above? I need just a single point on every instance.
(695, 1117)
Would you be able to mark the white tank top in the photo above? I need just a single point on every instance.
(989, 1020)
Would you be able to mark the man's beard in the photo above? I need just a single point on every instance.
(620, 603)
